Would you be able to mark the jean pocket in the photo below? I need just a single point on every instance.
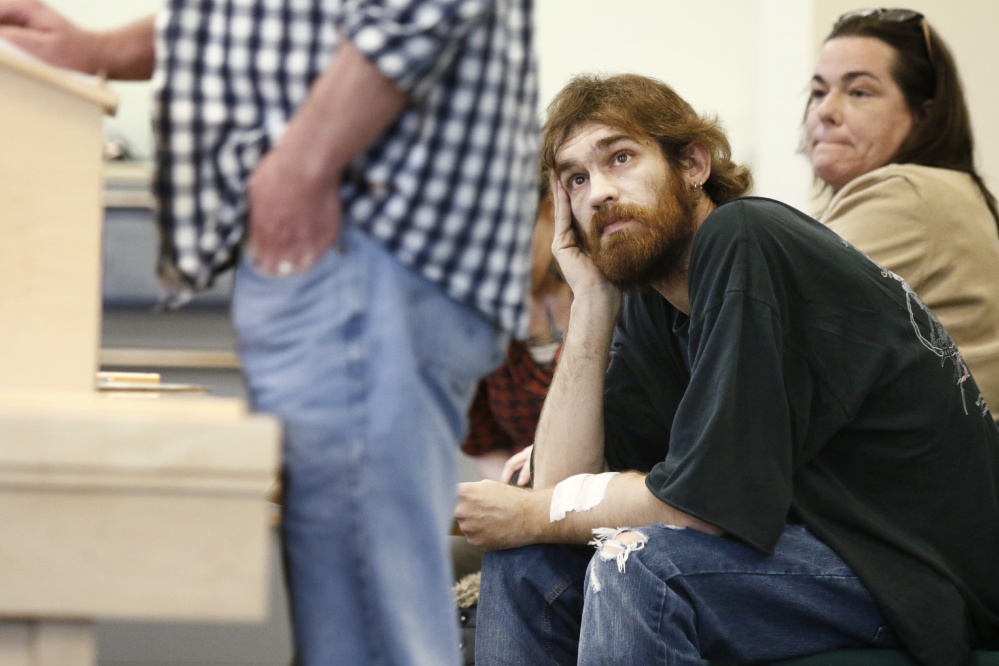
(325, 261)
(264, 302)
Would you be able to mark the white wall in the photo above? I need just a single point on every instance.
(748, 61)
(707, 51)
(785, 66)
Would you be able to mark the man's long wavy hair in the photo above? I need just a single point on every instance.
(643, 107)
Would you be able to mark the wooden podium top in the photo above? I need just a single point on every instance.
(90, 88)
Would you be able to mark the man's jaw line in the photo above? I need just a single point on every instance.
(673, 287)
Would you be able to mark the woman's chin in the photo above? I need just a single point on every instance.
(830, 175)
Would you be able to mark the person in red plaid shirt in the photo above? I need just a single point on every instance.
(507, 404)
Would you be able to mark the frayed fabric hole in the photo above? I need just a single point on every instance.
(607, 536)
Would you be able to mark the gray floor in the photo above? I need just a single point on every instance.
(162, 644)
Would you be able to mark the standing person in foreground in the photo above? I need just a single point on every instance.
(379, 161)
(887, 130)
(815, 466)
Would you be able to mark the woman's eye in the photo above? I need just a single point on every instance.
(621, 158)
(817, 94)
(859, 93)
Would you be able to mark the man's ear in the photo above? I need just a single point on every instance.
(698, 164)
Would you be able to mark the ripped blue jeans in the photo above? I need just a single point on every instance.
(671, 596)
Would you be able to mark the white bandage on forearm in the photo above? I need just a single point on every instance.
(578, 493)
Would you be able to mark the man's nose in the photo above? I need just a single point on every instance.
(603, 189)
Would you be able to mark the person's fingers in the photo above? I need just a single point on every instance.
(558, 195)
(30, 14)
(508, 471)
(518, 462)
(15, 12)
(25, 38)
(564, 235)
(524, 477)
(512, 464)
(273, 256)
(267, 248)
(286, 248)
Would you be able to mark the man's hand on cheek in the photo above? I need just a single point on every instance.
(578, 268)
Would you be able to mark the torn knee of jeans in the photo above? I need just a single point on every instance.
(618, 544)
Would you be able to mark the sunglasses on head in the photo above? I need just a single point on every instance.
(892, 16)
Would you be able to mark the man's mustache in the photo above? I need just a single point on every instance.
(605, 217)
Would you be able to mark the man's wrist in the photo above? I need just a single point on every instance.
(320, 164)
(126, 53)
(591, 325)
(539, 527)
(598, 306)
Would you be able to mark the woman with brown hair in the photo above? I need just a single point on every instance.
(887, 129)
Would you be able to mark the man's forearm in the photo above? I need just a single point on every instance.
(348, 108)
(128, 53)
(570, 435)
(627, 503)
(125, 53)
(293, 196)
(495, 516)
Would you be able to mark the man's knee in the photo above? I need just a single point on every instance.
(528, 561)
(618, 544)
(622, 541)
(671, 550)
(535, 571)
(510, 571)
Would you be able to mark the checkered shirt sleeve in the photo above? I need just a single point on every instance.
(449, 189)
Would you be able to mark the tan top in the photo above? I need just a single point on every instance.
(932, 227)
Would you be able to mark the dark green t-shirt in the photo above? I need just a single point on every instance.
(810, 385)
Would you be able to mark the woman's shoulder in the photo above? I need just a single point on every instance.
(912, 180)
(906, 189)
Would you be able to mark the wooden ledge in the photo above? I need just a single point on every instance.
(139, 357)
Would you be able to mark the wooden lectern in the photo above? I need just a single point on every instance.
(118, 504)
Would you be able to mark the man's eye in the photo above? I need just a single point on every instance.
(577, 180)
(621, 158)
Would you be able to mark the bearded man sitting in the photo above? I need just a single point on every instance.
(786, 454)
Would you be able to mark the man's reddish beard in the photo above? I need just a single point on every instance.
(653, 248)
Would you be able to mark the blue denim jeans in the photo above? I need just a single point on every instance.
(682, 596)
(372, 371)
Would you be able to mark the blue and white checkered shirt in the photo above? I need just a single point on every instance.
(450, 188)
